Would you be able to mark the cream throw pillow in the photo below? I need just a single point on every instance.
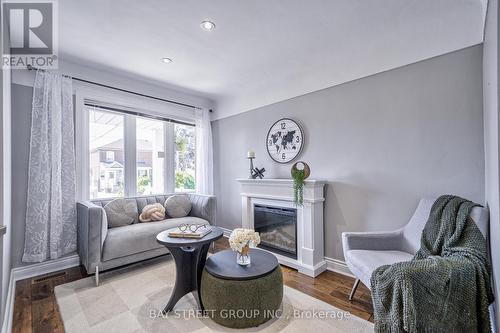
(178, 205)
(154, 212)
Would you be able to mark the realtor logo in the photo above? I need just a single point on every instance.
(30, 34)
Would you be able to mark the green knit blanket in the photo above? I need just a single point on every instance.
(446, 286)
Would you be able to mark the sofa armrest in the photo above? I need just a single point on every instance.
(92, 230)
(203, 206)
(377, 241)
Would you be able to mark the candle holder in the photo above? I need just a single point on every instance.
(251, 167)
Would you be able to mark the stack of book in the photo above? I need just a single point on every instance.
(200, 233)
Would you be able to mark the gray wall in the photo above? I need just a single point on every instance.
(381, 142)
(491, 137)
(5, 148)
(3, 274)
(21, 124)
(2, 222)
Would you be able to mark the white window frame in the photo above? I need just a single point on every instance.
(143, 105)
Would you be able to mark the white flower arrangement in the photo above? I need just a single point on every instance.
(240, 238)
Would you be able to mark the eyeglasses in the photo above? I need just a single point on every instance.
(191, 227)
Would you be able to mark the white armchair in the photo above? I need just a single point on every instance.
(366, 251)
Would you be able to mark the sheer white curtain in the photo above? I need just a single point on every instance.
(51, 212)
(204, 153)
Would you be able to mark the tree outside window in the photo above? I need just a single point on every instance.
(185, 158)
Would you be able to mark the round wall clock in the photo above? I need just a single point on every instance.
(285, 140)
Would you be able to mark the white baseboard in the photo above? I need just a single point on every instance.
(338, 266)
(226, 231)
(25, 272)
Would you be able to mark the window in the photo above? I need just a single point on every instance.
(150, 147)
(136, 154)
(105, 136)
(185, 158)
(110, 156)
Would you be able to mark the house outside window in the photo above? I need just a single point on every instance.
(106, 138)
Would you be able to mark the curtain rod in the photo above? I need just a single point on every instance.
(140, 114)
(31, 68)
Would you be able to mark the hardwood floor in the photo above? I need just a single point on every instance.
(35, 307)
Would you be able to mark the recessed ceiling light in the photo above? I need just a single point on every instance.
(166, 60)
(207, 25)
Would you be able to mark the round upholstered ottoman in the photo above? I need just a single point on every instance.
(241, 296)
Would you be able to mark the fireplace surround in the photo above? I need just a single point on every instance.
(267, 204)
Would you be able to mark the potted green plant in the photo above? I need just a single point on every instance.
(299, 176)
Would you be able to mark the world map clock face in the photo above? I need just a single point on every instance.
(284, 140)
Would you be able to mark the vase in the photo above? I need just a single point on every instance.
(243, 256)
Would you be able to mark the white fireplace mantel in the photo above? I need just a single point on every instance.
(279, 192)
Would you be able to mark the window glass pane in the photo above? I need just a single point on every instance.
(150, 147)
(106, 154)
(185, 153)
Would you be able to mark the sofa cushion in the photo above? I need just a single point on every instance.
(178, 205)
(362, 263)
(121, 212)
(140, 237)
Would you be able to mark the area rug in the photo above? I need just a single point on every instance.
(130, 300)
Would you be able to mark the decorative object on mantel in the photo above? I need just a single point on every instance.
(240, 241)
(254, 172)
(258, 173)
(299, 176)
(251, 156)
(285, 140)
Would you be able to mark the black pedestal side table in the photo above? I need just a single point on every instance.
(189, 256)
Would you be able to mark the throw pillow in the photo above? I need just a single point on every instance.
(154, 212)
(121, 212)
(178, 205)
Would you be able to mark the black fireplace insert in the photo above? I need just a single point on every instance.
(277, 227)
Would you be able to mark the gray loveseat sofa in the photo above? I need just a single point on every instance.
(101, 248)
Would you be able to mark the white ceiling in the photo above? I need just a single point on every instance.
(263, 51)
